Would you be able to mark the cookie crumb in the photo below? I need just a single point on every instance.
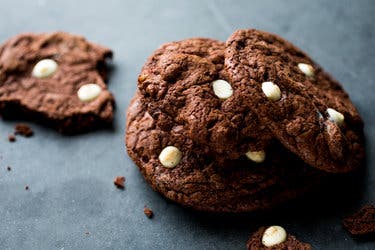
(119, 182)
(9, 168)
(23, 129)
(148, 212)
(26, 187)
(361, 222)
(11, 138)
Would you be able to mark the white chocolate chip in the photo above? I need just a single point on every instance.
(271, 90)
(170, 156)
(89, 92)
(256, 156)
(44, 68)
(222, 89)
(307, 69)
(273, 235)
(335, 116)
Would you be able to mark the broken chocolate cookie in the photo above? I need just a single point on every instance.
(57, 79)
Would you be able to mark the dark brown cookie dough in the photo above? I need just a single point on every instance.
(299, 120)
(362, 222)
(53, 100)
(196, 182)
(255, 242)
(176, 85)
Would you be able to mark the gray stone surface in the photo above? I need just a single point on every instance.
(70, 178)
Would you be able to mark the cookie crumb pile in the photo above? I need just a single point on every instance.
(240, 126)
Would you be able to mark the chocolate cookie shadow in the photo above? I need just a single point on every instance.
(337, 196)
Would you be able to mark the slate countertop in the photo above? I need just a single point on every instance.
(72, 203)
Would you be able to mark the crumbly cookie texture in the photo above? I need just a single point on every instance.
(198, 182)
(303, 107)
(361, 222)
(275, 238)
(239, 126)
(185, 83)
(43, 78)
(236, 97)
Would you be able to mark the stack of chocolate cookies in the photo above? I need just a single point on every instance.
(239, 126)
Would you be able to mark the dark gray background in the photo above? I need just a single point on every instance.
(70, 178)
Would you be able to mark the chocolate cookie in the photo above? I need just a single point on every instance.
(181, 84)
(178, 85)
(362, 222)
(176, 167)
(56, 79)
(257, 240)
(303, 107)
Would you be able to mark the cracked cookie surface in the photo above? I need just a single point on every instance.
(197, 182)
(177, 85)
(313, 116)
